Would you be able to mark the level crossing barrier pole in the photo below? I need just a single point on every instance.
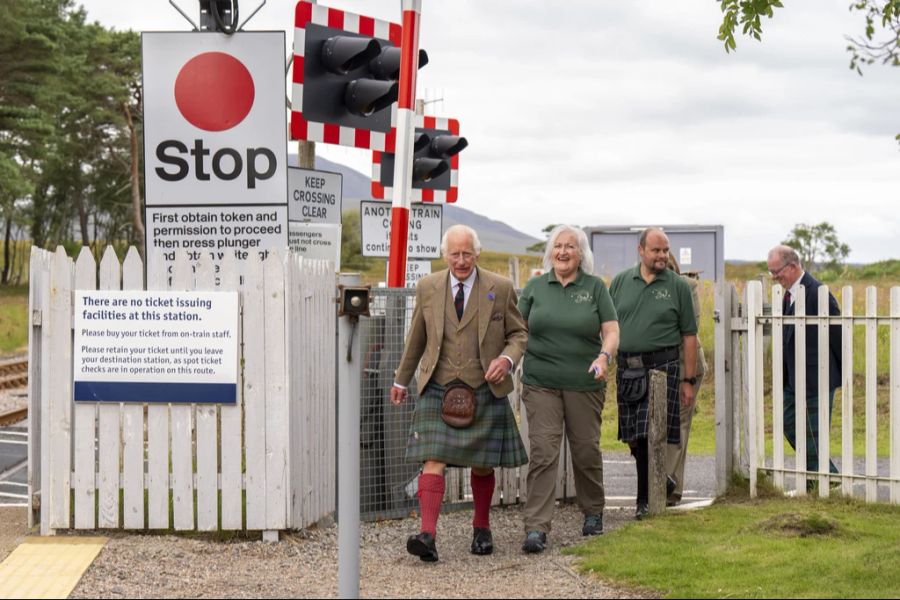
(409, 65)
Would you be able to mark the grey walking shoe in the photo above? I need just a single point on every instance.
(534, 542)
(593, 525)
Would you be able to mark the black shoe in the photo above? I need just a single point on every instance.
(643, 510)
(593, 525)
(535, 542)
(423, 546)
(673, 500)
(671, 484)
(482, 541)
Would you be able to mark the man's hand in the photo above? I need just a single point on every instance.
(688, 394)
(497, 370)
(398, 395)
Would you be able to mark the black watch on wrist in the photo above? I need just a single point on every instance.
(690, 380)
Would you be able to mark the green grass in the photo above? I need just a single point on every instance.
(13, 319)
(772, 547)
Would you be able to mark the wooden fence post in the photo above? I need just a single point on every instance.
(656, 442)
(724, 366)
(133, 421)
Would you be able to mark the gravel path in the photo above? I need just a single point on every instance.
(13, 528)
(304, 564)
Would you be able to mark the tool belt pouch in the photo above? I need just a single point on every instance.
(458, 405)
(632, 384)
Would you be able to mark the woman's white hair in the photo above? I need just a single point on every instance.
(584, 248)
(476, 243)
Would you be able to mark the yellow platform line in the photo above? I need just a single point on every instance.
(47, 567)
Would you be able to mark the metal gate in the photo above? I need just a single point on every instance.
(388, 484)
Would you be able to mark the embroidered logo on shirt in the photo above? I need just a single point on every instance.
(662, 294)
(582, 297)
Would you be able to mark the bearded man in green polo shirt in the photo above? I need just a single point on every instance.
(656, 319)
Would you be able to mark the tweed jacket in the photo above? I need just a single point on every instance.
(501, 328)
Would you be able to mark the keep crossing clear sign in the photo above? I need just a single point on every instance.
(314, 196)
(425, 229)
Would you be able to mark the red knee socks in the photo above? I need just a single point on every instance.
(482, 492)
(431, 494)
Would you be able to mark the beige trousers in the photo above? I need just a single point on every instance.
(550, 412)
(677, 453)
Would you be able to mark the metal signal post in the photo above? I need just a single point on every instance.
(409, 58)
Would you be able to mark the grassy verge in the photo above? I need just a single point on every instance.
(13, 319)
(772, 548)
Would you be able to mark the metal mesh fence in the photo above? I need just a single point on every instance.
(388, 484)
(387, 481)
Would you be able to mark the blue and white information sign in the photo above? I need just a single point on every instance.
(137, 346)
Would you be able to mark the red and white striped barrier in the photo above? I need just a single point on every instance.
(409, 65)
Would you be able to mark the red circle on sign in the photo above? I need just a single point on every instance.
(214, 91)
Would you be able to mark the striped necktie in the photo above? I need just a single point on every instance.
(460, 300)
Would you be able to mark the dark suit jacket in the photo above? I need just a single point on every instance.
(812, 342)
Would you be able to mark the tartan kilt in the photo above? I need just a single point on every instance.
(634, 416)
(492, 440)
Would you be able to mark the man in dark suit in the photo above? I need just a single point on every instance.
(785, 269)
(465, 329)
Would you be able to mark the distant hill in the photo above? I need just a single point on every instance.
(494, 235)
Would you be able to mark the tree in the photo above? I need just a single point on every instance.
(817, 245)
(351, 243)
(69, 126)
(541, 246)
(880, 41)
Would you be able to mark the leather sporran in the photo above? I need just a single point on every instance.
(632, 384)
(458, 405)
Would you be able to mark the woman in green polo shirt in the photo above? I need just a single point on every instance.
(573, 331)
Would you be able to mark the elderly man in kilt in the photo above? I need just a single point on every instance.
(656, 320)
(466, 332)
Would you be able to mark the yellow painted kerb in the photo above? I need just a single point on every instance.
(47, 567)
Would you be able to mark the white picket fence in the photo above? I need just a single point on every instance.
(266, 463)
(742, 407)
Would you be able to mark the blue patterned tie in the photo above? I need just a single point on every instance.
(460, 300)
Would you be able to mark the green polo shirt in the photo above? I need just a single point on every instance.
(564, 330)
(652, 316)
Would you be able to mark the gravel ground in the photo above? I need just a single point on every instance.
(13, 528)
(304, 564)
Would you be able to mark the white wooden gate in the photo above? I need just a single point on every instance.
(266, 463)
(748, 355)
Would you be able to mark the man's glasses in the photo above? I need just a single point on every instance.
(777, 272)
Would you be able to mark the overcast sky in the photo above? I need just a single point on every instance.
(610, 112)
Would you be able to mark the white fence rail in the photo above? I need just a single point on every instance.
(750, 399)
(186, 467)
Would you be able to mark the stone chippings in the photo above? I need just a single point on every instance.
(304, 563)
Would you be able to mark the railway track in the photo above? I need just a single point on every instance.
(13, 373)
(13, 416)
